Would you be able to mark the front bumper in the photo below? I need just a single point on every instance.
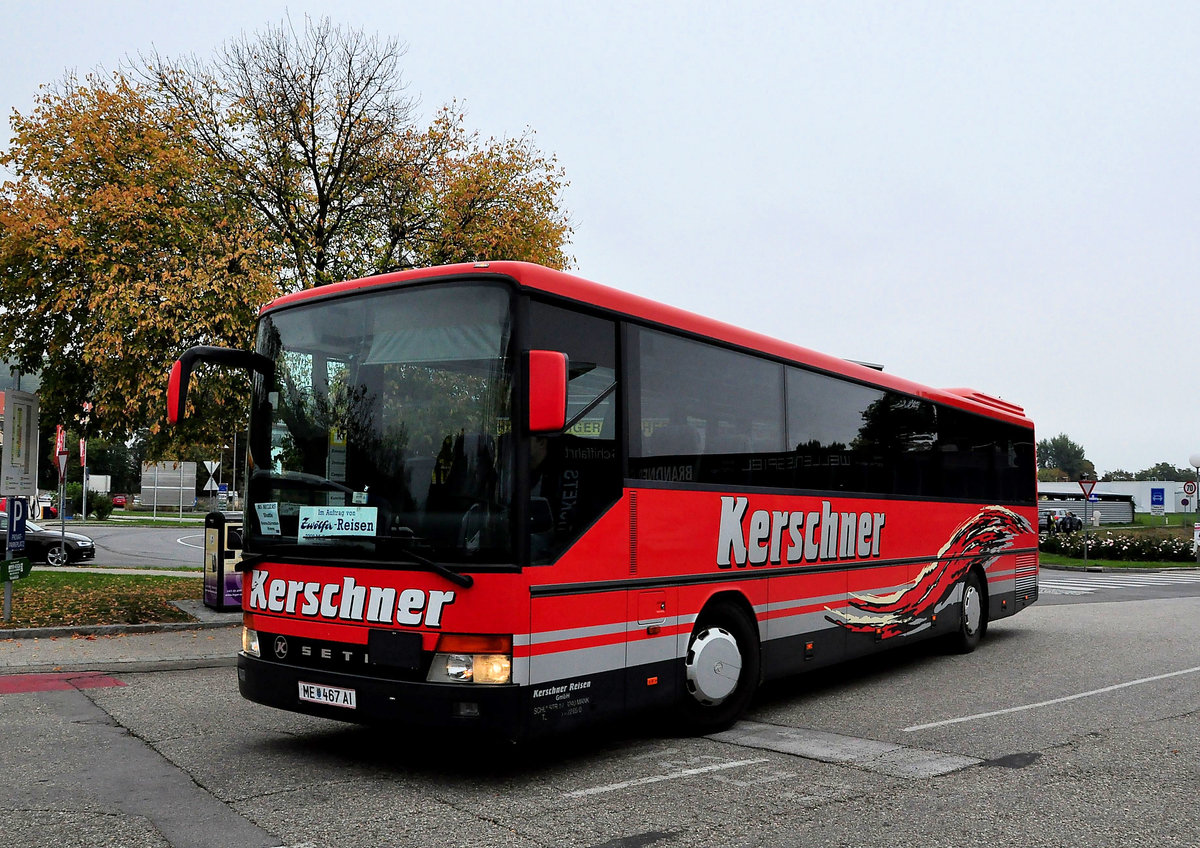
(398, 704)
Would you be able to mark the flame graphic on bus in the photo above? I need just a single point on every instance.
(977, 541)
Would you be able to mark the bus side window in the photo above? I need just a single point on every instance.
(708, 414)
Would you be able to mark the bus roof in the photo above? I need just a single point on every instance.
(566, 285)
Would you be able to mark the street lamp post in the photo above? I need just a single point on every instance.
(1194, 460)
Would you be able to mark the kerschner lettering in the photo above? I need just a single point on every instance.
(774, 536)
(349, 601)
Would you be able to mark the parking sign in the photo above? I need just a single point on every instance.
(18, 513)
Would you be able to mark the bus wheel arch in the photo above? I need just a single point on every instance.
(723, 664)
(973, 612)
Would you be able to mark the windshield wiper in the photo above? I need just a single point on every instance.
(456, 577)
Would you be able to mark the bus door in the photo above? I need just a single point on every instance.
(578, 531)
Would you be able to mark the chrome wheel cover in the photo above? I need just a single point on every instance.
(713, 666)
(972, 613)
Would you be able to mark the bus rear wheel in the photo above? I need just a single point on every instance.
(973, 619)
(721, 668)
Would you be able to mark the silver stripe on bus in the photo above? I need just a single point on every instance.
(564, 664)
(544, 636)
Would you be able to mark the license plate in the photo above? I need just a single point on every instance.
(334, 696)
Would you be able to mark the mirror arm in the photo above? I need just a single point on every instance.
(181, 372)
(599, 399)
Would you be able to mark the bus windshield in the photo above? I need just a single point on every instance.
(384, 432)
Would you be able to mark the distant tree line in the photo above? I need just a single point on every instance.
(1062, 460)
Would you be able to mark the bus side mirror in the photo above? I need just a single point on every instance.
(177, 393)
(181, 372)
(547, 391)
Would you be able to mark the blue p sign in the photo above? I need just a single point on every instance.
(18, 513)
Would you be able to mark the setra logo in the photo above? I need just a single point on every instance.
(281, 647)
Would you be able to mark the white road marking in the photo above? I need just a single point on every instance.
(200, 546)
(1084, 583)
(868, 754)
(1053, 701)
(659, 778)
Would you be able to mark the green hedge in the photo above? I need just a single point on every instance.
(1119, 546)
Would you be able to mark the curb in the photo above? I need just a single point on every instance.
(123, 666)
(113, 629)
(1112, 570)
(204, 619)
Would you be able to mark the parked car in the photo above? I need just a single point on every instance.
(51, 546)
(1060, 519)
(118, 501)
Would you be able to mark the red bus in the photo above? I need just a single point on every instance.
(498, 496)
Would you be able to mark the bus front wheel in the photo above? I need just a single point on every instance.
(973, 619)
(721, 668)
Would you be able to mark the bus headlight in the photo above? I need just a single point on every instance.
(464, 658)
(250, 642)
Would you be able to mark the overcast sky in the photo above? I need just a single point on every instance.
(1004, 196)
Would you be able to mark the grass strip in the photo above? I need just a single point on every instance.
(1132, 565)
(71, 599)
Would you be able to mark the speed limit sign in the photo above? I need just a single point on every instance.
(1189, 488)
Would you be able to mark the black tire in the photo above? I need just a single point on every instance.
(724, 637)
(54, 557)
(973, 615)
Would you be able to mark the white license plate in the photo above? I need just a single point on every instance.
(334, 696)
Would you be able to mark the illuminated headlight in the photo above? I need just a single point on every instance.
(250, 642)
(471, 659)
(85, 543)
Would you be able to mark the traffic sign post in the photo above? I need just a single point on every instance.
(18, 476)
(61, 459)
(1087, 486)
(211, 465)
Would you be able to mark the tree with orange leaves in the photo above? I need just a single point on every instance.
(154, 212)
(120, 245)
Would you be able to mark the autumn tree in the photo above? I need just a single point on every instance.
(120, 246)
(319, 137)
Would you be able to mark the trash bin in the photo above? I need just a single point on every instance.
(222, 553)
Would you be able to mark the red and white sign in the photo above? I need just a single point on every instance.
(61, 457)
(82, 453)
(60, 440)
(1087, 486)
(1189, 488)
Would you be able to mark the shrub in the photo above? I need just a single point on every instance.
(100, 505)
(1118, 546)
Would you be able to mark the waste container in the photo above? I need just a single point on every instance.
(222, 553)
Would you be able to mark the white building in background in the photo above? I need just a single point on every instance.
(1173, 493)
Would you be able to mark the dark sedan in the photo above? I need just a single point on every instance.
(51, 546)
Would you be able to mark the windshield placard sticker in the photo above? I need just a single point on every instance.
(321, 522)
(268, 518)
